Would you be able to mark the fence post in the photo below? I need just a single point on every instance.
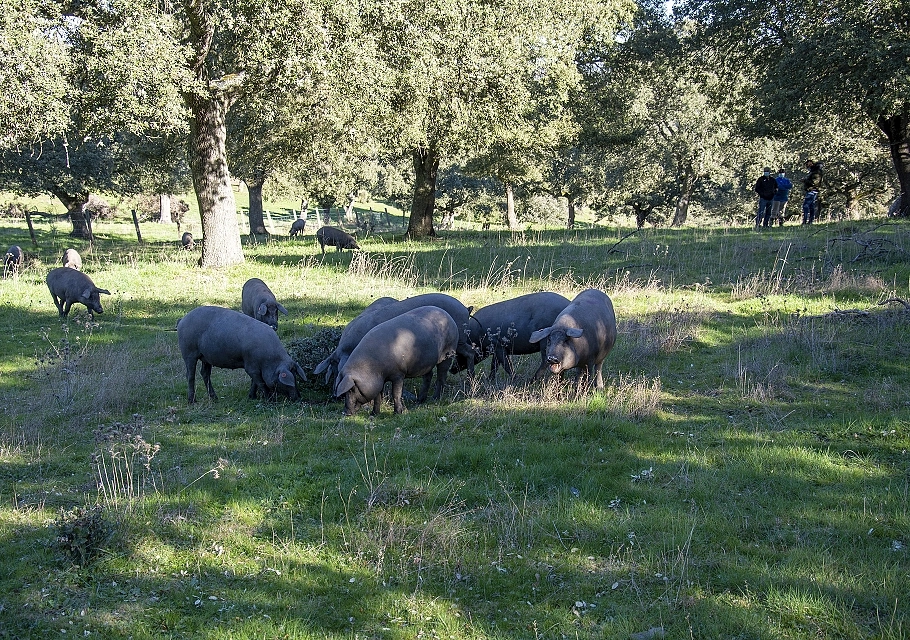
(136, 224)
(31, 228)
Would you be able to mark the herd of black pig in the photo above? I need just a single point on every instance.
(391, 340)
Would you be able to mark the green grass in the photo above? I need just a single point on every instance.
(745, 474)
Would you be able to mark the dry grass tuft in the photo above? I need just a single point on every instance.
(398, 269)
(667, 330)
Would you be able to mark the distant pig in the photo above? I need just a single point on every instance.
(186, 240)
(297, 227)
(410, 345)
(258, 301)
(68, 286)
(230, 340)
(350, 336)
(12, 263)
(333, 237)
(72, 259)
(503, 329)
(581, 336)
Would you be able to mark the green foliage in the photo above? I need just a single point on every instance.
(82, 533)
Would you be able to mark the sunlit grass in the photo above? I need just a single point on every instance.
(743, 474)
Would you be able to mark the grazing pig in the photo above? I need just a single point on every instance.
(459, 313)
(504, 329)
(258, 301)
(350, 336)
(297, 227)
(409, 345)
(230, 340)
(68, 286)
(72, 259)
(12, 263)
(187, 241)
(333, 237)
(581, 336)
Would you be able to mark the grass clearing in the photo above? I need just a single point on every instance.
(744, 474)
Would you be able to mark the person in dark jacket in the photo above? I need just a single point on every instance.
(765, 187)
(779, 204)
(812, 185)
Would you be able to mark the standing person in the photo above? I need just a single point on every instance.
(779, 204)
(812, 185)
(765, 187)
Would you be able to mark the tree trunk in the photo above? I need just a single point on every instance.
(254, 189)
(511, 216)
(426, 167)
(164, 208)
(570, 223)
(75, 209)
(895, 130)
(682, 210)
(212, 182)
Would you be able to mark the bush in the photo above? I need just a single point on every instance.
(82, 533)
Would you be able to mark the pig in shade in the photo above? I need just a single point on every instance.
(503, 329)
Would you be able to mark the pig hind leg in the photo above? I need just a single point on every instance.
(442, 370)
(207, 378)
(425, 387)
(397, 390)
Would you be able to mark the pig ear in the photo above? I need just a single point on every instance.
(300, 372)
(540, 334)
(87, 293)
(322, 366)
(104, 291)
(262, 310)
(344, 386)
(574, 333)
(282, 309)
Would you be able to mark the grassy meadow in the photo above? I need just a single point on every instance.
(745, 473)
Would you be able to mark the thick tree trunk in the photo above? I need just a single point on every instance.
(75, 209)
(212, 182)
(254, 189)
(511, 216)
(682, 210)
(426, 167)
(895, 130)
(570, 223)
(164, 208)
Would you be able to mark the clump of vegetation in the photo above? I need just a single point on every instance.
(311, 350)
(83, 533)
